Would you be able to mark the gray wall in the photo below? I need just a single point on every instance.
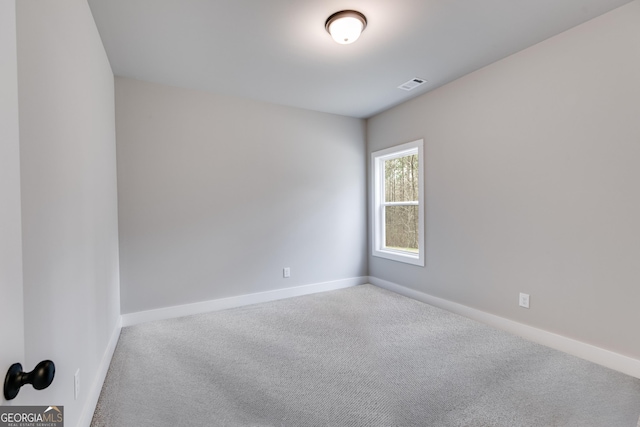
(217, 194)
(69, 201)
(532, 174)
(11, 316)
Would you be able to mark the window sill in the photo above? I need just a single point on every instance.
(400, 256)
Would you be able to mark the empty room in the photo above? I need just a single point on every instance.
(320, 213)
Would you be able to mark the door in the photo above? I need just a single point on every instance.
(11, 305)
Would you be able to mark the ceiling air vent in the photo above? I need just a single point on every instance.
(412, 84)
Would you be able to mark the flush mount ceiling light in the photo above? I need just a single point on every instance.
(345, 26)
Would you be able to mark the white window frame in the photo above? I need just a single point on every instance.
(378, 204)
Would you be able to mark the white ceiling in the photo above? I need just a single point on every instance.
(278, 50)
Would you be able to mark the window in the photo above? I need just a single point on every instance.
(398, 210)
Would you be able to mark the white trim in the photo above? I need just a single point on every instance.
(399, 203)
(601, 356)
(94, 393)
(378, 158)
(237, 301)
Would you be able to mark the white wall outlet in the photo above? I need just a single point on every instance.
(76, 384)
(286, 272)
(524, 300)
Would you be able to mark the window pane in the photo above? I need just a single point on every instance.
(401, 179)
(401, 228)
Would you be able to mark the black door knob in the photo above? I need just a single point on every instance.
(40, 378)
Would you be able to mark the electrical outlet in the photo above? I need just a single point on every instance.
(286, 272)
(524, 300)
(76, 384)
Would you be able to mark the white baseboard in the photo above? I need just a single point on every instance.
(609, 359)
(96, 387)
(237, 301)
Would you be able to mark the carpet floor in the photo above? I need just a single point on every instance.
(361, 356)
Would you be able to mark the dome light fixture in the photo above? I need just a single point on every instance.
(345, 26)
